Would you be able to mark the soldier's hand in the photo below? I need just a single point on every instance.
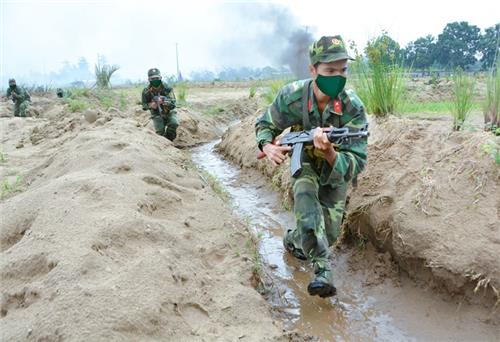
(322, 143)
(153, 105)
(275, 153)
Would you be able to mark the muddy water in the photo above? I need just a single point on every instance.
(369, 306)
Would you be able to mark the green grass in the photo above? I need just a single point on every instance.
(76, 105)
(252, 91)
(216, 185)
(428, 107)
(181, 92)
(491, 107)
(214, 111)
(492, 148)
(273, 88)
(8, 187)
(463, 94)
(3, 157)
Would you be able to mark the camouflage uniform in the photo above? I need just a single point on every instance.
(168, 118)
(320, 190)
(20, 97)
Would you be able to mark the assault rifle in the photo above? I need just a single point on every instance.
(164, 101)
(297, 140)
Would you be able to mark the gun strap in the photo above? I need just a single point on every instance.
(306, 123)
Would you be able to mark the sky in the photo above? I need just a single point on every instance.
(38, 36)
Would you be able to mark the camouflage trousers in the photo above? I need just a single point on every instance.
(165, 124)
(318, 210)
(21, 109)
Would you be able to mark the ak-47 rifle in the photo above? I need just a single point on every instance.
(297, 140)
(164, 101)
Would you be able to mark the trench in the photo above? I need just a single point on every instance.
(373, 302)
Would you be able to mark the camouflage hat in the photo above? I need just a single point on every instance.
(328, 49)
(12, 81)
(154, 72)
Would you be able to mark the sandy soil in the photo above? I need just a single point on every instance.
(428, 196)
(110, 234)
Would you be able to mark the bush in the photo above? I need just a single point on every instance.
(181, 91)
(103, 73)
(491, 108)
(380, 86)
(463, 94)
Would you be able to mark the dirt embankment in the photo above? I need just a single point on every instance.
(110, 235)
(428, 196)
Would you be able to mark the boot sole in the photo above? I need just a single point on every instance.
(321, 289)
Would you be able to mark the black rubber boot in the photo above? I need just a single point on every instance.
(322, 284)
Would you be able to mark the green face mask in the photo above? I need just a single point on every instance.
(155, 83)
(331, 85)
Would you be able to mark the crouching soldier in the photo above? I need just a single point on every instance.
(159, 98)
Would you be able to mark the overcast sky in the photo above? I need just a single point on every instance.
(137, 35)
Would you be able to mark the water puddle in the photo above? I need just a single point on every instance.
(356, 313)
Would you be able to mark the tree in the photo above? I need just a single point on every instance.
(458, 45)
(489, 46)
(103, 72)
(383, 49)
(421, 53)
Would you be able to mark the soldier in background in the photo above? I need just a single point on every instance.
(159, 98)
(20, 97)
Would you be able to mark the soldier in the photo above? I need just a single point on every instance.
(20, 97)
(60, 92)
(321, 189)
(162, 112)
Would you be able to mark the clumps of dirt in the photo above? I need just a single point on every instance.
(115, 239)
(428, 196)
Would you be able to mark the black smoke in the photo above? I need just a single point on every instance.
(265, 32)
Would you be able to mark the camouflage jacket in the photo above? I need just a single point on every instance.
(19, 95)
(286, 111)
(149, 92)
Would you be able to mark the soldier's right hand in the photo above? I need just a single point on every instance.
(276, 153)
(153, 105)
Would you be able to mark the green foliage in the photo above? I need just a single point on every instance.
(463, 94)
(458, 45)
(492, 101)
(105, 97)
(3, 157)
(216, 185)
(380, 81)
(273, 89)
(215, 110)
(181, 92)
(76, 105)
(489, 46)
(492, 149)
(7, 187)
(252, 91)
(103, 73)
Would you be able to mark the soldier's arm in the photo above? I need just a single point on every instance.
(145, 104)
(351, 158)
(171, 96)
(274, 120)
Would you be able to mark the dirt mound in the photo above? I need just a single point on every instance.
(113, 237)
(428, 196)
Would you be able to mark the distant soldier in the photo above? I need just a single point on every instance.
(159, 98)
(60, 92)
(20, 97)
